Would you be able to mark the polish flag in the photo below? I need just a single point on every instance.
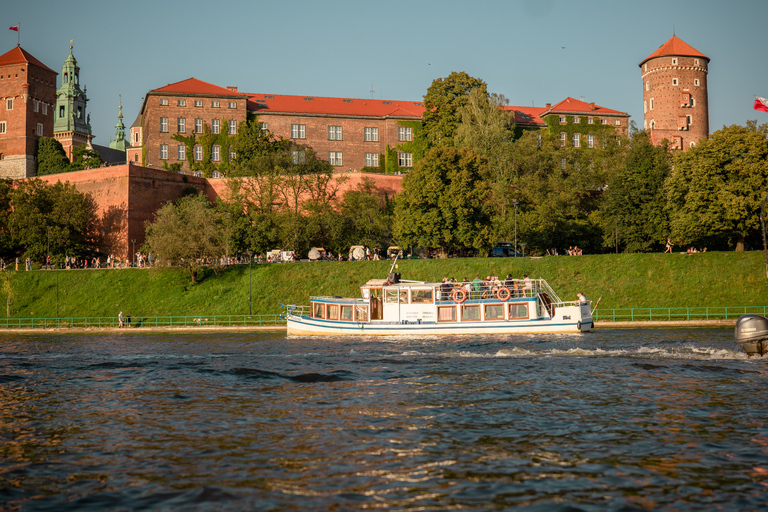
(16, 28)
(761, 104)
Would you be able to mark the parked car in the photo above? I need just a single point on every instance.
(504, 250)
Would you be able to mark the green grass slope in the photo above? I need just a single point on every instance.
(624, 280)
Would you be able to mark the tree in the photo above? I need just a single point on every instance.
(717, 187)
(441, 204)
(442, 105)
(51, 157)
(188, 233)
(85, 158)
(634, 199)
(55, 214)
(364, 217)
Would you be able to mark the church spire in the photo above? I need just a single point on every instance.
(71, 100)
(119, 143)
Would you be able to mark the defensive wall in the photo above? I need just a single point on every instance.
(127, 197)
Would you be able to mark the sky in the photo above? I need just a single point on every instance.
(531, 51)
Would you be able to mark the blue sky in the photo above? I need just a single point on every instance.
(343, 48)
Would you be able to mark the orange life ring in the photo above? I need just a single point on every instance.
(503, 294)
(459, 295)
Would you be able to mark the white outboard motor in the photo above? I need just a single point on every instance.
(752, 334)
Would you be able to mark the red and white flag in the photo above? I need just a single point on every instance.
(761, 104)
(16, 28)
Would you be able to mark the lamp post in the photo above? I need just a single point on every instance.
(250, 286)
(48, 249)
(515, 203)
(617, 234)
(523, 246)
(228, 214)
(133, 254)
(56, 266)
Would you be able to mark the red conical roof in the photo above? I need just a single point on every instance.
(675, 46)
(20, 56)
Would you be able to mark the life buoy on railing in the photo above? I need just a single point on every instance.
(503, 294)
(459, 295)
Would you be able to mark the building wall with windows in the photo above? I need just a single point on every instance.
(675, 98)
(27, 99)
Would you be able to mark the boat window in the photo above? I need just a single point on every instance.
(469, 313)
(333, 311)
(394, 295)
(421, 296)
(318, 310)
(361, 313)
(376, 292)
(346, 313)
(446, 313)
(518, 311)
(494, 312)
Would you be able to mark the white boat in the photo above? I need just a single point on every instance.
(395, 307)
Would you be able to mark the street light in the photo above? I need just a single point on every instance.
(48, 249)
(523, 246)
(250, 286)
(228, 214)
(515, 203)
(133, 254)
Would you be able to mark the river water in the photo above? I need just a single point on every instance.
(667, 419)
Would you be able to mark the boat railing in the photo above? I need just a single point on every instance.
(296, 310)
(517, 288)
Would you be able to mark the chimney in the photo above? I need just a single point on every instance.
(592, 106)
(549, 105)
(232, 88)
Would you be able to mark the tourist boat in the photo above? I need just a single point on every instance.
(400, 307)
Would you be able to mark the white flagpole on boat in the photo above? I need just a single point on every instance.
(596, 304)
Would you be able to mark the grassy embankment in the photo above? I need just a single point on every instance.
(624, 280)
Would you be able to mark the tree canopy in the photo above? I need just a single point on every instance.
(442, 104)
(51, 157)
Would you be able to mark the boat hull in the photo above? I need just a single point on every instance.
(310, 326)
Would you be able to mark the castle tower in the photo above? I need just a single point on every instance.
(675, 102)
(71, 125)
(27, 96)
(119, 143)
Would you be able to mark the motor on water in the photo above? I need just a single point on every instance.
(752, 334)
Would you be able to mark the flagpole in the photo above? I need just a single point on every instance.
(18, 35)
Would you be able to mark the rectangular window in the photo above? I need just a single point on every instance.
(215, 104)
(562, 120)
(298, 131)
(9, 104)
(318, 310)
(198, 103)
(446, 313)
(647, 86)
(163, 124)
(603, 121)
(36, 105)
(563, 139)
(696, 82)
(518, 311)
(181, 152)
(405, 159)
(164, 101)
(695, 62)
(181, 103)
(674, 62)
(371, 159)
(576, 120)
(198, 125)
(181, 125)
(494, 312)
(215, 126)
(617, 122)
(233, 127)
(361, 313)
(576, 140)
(2, 127)
(39, 129)
(645, 106)
(333, 311)
(264, 127)
(163, 151)
(297, 157)
(232, 154)
(198, 152)
(371, 134)
(216, 153)
(590, 141)
(45, 109)
(334, 133)
(651, 104)
(346, 313)
(393, 296)
(232, 104)
(405, 134)
(590, 120)
(470, 313)
(334, 158)
(538, 139)
(421, 296)
(563, 163)
(674, 81)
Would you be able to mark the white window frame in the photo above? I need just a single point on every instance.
(371, 134)
(181, 152)
(617, 122)
(675, 81)
(198, 152)
(405, 160)
(36, 105)
(590, 120)
(371, 159)
(603, 121)
(563, 119)
(696, 82)
(674, 61)
(163, 151)
(215, 153)
(232, 104)
(563, 139)
(164, 101)
(163, 124)
(45, 109)
(335, 158)
(9, 104)
(577, 140)
(264, 127)
(3, 127)
(298, 131)
(198, 125)
(215, 126)
(181, 103)
(198, 103)
(651, 104)
(335, 133)
(648, 85)
(405, 133)
(215, 104)
(232, 127)
(181, 125)
(695, 62)
(590, 141)
(576, 120)
(39, 129)
(298, 157)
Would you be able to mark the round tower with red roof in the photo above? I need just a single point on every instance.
(675, 101)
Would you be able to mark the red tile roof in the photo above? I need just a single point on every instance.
(675, 46)
(319, 105)
(20, 56)
(574, 106)
(527, 116)
(195, 86)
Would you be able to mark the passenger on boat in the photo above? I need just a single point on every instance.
(582, 298)
(477, 284)
(445, 289)
(467, 285)
(527, 285)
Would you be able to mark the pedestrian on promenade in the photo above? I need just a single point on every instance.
(120, 319)
(128, 321)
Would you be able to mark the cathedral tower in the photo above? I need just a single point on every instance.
(119, 143)
(675, 102)
(71, 124)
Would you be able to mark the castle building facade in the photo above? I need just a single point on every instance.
(27, 101)
(675, 99)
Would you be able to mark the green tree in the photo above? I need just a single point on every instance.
(365, 218)
(258, 151)
(57, 214)
(85, 158)
(51, 157)
(7, 246)
(442, 105)
(441, 205)
(634, 199)
(717, 187)
(188, 233)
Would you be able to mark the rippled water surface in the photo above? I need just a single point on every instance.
(611, 420)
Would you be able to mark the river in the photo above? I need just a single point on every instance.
(651, 419)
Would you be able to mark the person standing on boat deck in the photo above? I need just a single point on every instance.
(445, 289)
(527, 285)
